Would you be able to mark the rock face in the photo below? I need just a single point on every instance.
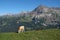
(42, 8)
(50, 14)
(42, 15)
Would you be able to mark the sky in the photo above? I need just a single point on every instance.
(16, 6)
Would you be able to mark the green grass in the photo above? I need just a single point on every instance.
(50, 34)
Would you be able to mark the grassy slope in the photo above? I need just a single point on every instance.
(51, 34)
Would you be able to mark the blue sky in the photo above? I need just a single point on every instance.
(16, 6)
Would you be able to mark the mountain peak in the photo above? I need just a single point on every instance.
(41, 9)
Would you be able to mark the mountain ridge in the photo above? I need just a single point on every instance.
(38, 19)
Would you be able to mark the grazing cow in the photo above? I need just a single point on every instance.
(21, 29)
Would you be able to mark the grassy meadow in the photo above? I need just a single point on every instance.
(49, 34)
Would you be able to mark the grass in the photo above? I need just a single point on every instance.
(50, 34)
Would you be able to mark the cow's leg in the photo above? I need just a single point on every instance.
(19, 31)
(22, 30)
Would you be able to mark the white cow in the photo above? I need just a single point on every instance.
(21, 29)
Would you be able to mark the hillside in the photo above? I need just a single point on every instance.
(42, 17)
(49, 34)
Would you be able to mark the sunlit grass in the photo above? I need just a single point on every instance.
(50, 34)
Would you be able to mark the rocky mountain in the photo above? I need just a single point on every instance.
(48, 13)
(42, 17)
(42, 8)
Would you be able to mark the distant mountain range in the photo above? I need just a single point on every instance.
(48, 13)
(40, 18)
(42, 11)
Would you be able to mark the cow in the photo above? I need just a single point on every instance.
(21, 29)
